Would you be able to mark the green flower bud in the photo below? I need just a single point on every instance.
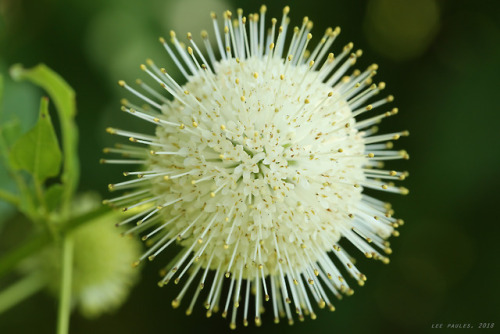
(102, 272)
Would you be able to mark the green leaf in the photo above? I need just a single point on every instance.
(1, 93)
(63, 97)
(5, 180)
(38, 151)
(10, 131)
(53, 197)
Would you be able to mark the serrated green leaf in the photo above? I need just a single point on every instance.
(64, 99)
(38, 151)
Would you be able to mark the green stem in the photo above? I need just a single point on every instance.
(19, 291)
(40, 240)
(9, 198)
(10, 260)
(65, 291)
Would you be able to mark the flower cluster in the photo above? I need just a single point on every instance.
(258, 166)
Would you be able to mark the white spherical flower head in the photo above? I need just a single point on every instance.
(257, 167)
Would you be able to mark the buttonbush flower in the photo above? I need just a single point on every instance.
(258, 167)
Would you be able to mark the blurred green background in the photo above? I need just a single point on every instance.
(440, 59)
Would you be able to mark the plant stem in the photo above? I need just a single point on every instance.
(19, 291)
(8, 197)
(40, 240)
(65, 292)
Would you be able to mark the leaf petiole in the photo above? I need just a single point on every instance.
(9, 198)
